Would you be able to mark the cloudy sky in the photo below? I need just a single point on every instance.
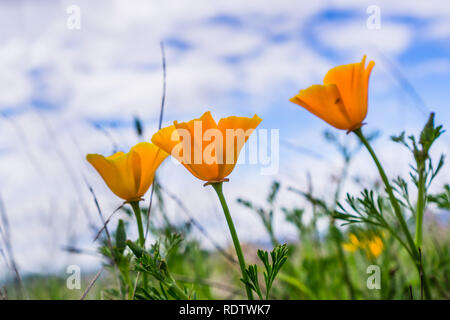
(67, 92)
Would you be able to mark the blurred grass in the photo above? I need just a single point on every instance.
(318, 267)
(313, 270)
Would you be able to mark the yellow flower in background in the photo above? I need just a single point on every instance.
(353, 245)
(375, 247)
(342, 99)
(129, 175)
(350, 247)
(209, 150)
(372, 245)
(354, 240)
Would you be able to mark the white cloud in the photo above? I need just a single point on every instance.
(432, 67)
(439, 29)
(391, 39)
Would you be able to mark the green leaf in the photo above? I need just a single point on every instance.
(138, 251)
(138, 126)
(121, 236)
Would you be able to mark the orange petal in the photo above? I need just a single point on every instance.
(166, 138)
(150, 158)
(117, 172)
(352, 81)
(170, 141)
(325, 102)
(235, 132)
(195, 162)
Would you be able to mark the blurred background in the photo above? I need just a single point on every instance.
(66, 92)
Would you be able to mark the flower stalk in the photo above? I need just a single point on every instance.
(420, 205)
(172, 285)
(412, 248)
(237, 246)
(138, 215)
(389, 190)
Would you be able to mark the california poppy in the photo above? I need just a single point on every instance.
(129, 175)
(209, 150)
(342, 99)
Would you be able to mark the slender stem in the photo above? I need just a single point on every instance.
(337, 236)
(420, 205)
(346, 274)
(137, 213)
(420, 208)
(234, 236)
(273, 239)
(414, 251)
(390, 192)
(173, 285)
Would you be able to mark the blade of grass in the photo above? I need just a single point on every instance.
(161, 113)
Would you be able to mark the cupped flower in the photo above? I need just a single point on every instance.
(129, 175)
(342, 99)
(209, 150)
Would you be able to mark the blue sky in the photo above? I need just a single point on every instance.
(230, 57)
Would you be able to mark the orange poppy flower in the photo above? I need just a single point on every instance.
(342, 99)
(209, 150)
(129, 175)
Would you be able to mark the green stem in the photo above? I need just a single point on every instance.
(420, 210)
(390, 192)
(420, 205)
(337, 235)
(137, 213)
(180, 293)
(273, 239)
(237, 246)
(346, 274)
(414, 252)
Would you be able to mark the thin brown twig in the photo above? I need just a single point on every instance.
(20, 133)
(6, 237)
(76, 250)
(197, 224)
(135, 284)
(106, 222)
(161, 113)
(68, 169)
(91, 284)
(97, 205)
(108, 135)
